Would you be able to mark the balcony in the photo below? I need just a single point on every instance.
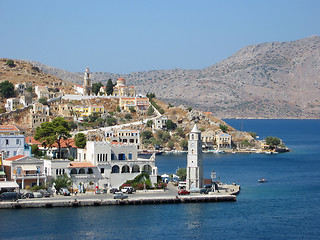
(29, 176)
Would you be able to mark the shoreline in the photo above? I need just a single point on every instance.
(50, 203)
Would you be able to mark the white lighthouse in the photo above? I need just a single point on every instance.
(194, 160)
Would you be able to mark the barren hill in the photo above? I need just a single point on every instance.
(268, 80)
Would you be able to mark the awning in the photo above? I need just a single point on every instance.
(29, 167)
(4, 184)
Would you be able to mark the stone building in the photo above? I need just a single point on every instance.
(87, 84)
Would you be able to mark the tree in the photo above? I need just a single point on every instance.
(127, 116)
(170, 145)
(52, 132)
(171, 125)
(180, 132)
(10, 63)
(80, 140)
(111, 121)
(150, 111)
(43, 101)
(146, 135)
(182, 174)
(6, 89)
(96, 87)
(149, 123)
(272, 141)
(118, 108)
(189, 109)
(132, 109)
(184, 144)
(109, 87)
(35, 150)
(62, 181)
(151, 95)
(224, 128)
(29, 89)
(253, 134)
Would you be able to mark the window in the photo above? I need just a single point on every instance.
(14, 153)
(122, 156)
(18, 141)
(57, 171)
(112, 156)
(7, 141)
(102, 170)
(130, 156)
(19, 170)
(8, 153)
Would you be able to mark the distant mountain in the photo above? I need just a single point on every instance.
(268, 80)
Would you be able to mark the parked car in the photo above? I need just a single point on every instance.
(114, 190)
(9, 196)
(128, 190)
(37, 194)
(204, 190)
(64, 192)
(46, 194)
(119, 195)
(183, 192)
(29, 195)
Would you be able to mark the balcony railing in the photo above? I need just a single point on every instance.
(30, 176)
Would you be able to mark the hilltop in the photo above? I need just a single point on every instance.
(268, 80)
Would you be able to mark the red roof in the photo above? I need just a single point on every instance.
(8, 128)
(66, 143)
(15, 157)
(116, 143)
(81, 164)
(32, 141)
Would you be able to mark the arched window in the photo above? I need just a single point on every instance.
(115, 169)
(125, 169)
(73, 171)
(90, 171)
(147, 169)
(135, 169)
(82, 171)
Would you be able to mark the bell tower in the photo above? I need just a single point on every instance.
(194, 160)
(87, 84)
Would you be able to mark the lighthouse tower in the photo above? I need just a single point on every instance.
(87, 84)
(194, 160)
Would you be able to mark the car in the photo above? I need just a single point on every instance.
(29, 195)
(204, 190)
(114, 190)
(37, 194)
(129, 190)
(119, 195)
(46, 194)
(9, 196)
(64, 192)
(183, 192)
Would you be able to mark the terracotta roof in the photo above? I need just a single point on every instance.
(116, 143)
(65, 143)
(16, 157)
(32, 141)
(209, 113)
(8, 128)
(81, 164)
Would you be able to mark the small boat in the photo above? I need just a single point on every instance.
(262, 180)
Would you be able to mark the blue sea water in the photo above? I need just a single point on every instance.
(286, 207)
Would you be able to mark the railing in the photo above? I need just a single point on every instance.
(83, 176)
(41, 175)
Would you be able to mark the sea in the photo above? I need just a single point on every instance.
(287, 206)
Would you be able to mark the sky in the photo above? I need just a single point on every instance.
(135, 35)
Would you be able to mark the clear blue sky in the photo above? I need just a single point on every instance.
(127, 36)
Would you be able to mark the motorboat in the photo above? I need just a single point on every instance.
(262, 180)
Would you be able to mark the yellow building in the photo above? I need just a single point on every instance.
(84, 111)
(138, 103)
(121, 90)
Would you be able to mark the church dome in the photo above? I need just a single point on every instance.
(121, 82)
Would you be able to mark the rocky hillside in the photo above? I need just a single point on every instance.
(269, 80)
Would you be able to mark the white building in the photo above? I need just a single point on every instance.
(56, 167)
(160, 123)
(112, 164)
(12, 142)
(194, 160)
